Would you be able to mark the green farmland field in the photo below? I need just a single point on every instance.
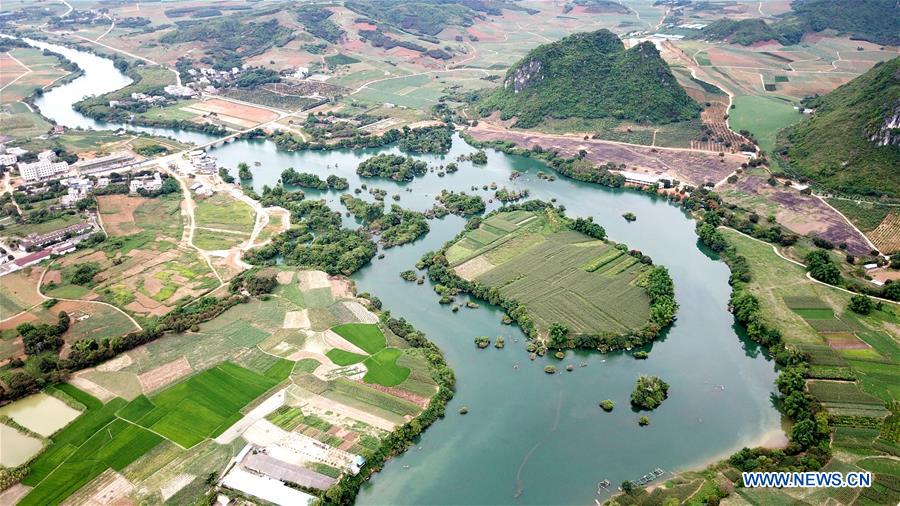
(763, 117)
(367, 337)
(383, 368)
(190, 411)
(560, 275)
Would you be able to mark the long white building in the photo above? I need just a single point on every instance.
(42, 169)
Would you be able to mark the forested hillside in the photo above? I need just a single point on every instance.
(851, 143)
(591, 75)
(877, 21)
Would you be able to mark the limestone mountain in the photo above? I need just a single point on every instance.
(590, 75)
(851, 143)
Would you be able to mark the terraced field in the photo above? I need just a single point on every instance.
(560, 275)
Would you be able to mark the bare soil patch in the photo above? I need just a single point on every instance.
(246, 112)
(693, 167)
(165, 374)
(82, 382)
(116, 364)
(801, 214)
(473, 268)
(310, 280)
(108, 488)
(117, 213)
(296, 319)
(341, 288)
(284, 277)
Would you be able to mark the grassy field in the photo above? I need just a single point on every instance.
(763, 117)
(561, 276)
(221, 211)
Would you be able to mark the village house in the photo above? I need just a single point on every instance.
(146, 183)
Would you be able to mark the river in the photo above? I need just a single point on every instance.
(531, 438)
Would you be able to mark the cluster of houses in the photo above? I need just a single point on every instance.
(202, 162)
(42, 246)
(137, 98)
(207, 79)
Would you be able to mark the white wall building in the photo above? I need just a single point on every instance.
(42, 169)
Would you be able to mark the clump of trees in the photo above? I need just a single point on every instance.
(861, 304)
(477, 158)
(822, 268)
(461, 204)
(437, 139)
(317, 241)
(589, 228)
(649, 392)
(43, 337)
(255, 281)
(244, 173)
(83, 274)
(482, 341)
(607, 405)
(408, 275)
(291, 177)
(396, 167)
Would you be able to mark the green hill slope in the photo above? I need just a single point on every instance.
(591, 75)
(851, 144)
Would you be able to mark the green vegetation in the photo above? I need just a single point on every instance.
(318, 241)
(365, 336)
(609, 299)
(423, 17)
(234, 40)
(649, 392)
(840, 147)
(591, 75)
(344, 358)
(874, 20)
(197, 408)
(746, 32)
(461, 204)
(383, 369)
(607, 405)
(396, 167)
(436, 139)
(315, 21)
(763, 117)
(291, 177)
(340, 59)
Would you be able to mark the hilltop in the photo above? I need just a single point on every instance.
(591, 75)
(851, 144)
